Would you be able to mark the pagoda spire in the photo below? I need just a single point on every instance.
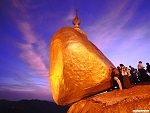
(76, 21)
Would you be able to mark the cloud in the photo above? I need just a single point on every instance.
(25, 86)
(34, 50)
(70, 15)
(108, 29)
(19, 95)
(27, 32)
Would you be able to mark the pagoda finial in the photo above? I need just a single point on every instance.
(76, 11)
(76, 21)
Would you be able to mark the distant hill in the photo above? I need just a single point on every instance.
(31, 106)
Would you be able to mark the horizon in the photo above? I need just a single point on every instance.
(120, 29)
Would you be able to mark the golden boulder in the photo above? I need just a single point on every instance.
(77, 67)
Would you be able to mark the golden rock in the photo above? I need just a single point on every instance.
(77, 67)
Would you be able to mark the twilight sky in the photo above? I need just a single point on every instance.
(119, 28)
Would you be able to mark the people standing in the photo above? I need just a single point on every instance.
(142, 72)
(148, 70)
(121, 77)
(116, 76)
(133, 72)
(125, 73)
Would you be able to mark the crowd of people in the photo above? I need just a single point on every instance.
(124, 76)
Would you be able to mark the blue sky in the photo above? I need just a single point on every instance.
(119, 28)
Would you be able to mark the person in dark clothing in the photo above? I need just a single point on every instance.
(148, 70)
(148, 67)
(142, 72)
(133, 73)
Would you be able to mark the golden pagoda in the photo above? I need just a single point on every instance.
(77, 67)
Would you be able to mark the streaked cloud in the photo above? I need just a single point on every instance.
(113, 32)
(108, 28)
(70, 15)
(34, 49)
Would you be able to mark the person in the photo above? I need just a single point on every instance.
(142, 72)
(116, 76)
(121, 77)
(140, 65)
(148, 70)
(137, 75)
(133, 78)
(125, 73)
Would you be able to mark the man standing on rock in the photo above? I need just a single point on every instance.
(142, 72)
(116, 76)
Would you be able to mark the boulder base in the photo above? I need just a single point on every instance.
(117, 101)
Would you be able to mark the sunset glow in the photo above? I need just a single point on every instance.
(119, 28)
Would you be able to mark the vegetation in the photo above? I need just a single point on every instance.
(31, 106)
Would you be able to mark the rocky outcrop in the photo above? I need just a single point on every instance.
(118, 101)
(77, 67)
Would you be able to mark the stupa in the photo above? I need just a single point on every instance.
(78, 69)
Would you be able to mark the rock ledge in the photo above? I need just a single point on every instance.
(116, 101)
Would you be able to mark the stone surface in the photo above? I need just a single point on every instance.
(117, 101)
(77, 67)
